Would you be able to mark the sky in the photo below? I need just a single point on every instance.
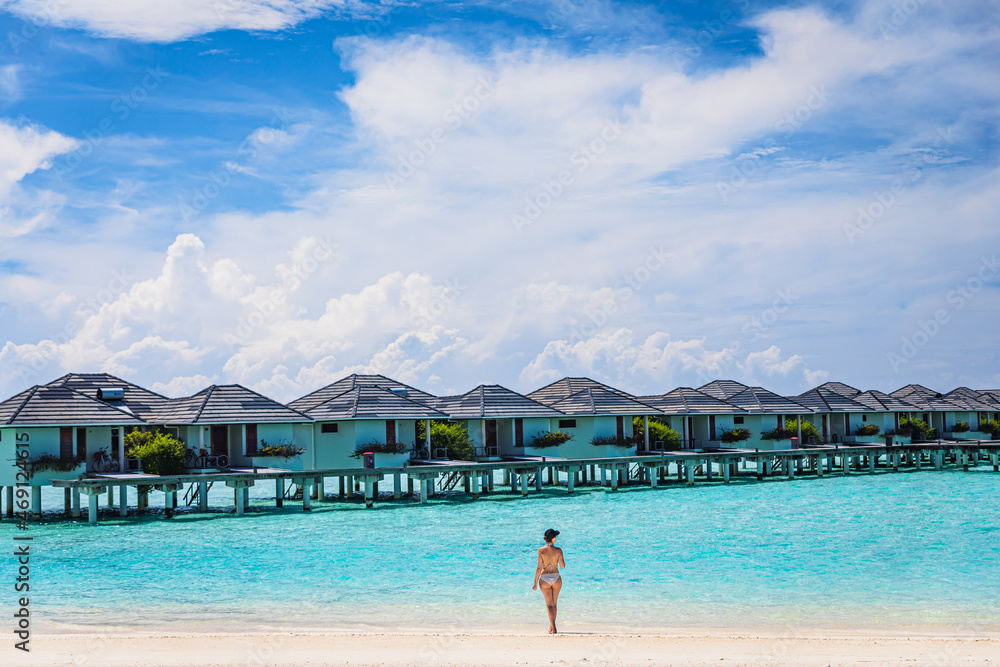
(655, 195)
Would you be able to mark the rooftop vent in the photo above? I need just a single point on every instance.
(399, 391)
(110, 393)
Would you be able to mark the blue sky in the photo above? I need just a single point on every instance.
(278, 193)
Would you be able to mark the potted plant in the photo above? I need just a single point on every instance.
(614, 445)
(735, 435)
(546, 440)
(780, 435)
(915, 429)
(387, 454)
(44, 468)
(865, 433)
(282, 455)
(900, 436)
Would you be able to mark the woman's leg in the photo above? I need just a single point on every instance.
(556, 587)
(551, 593)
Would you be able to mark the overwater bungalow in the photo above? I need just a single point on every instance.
(59, 423)
(836, 416)
(977, 410)
(503, 423)
(698, 418)
(368, 418)
(887, 412)
(598, 417)
(941, 413)
(766, 415)
(232, 423)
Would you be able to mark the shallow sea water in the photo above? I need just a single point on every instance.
(917, 549)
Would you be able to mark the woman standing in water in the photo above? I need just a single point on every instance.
(550, 559)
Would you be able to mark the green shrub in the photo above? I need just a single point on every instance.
(161, 453)
(659, 431)
(44, 462)
(284, 450)
(450, 436)
(553, 439)
(735, 435)
(916, 429)
(614, 441)
(809, 430)
(960, 427)
(779, 433)
(376, 447)
(867, 429)
(991, 426)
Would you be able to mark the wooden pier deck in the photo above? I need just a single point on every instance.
(520, 473)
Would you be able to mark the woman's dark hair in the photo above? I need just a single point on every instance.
(550, 534)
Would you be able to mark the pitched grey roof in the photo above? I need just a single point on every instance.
(226, 404)
(761, 401)
(993, 395)
(827, 400)
(370, 402)
(60, 406)
(912, 389)
(925, 399)
(353, 381)
(490, 401)
(876, 401)
(841, 388)
(970, 402)
(965, 391)
(723, 389)
(568, 386)
(596, 401)
(685, 401)
(138, 400)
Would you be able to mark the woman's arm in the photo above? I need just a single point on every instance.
(538, 571)
(562, 560)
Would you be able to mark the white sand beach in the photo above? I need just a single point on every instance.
(682, 647)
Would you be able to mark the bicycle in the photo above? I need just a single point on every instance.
(104, 463)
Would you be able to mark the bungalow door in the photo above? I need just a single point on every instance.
(390, 431)
(620, 424)
(220, 441)
(65, 443)
(251, 440)
(491, 438)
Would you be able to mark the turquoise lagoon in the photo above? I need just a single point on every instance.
(919, 550)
